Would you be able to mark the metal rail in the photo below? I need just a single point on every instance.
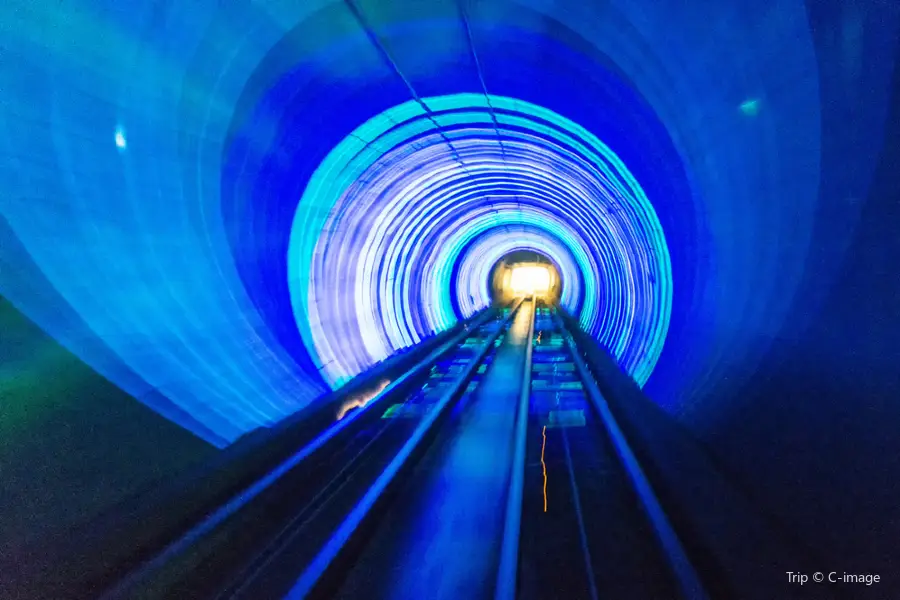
(507, 574)
(686, 576)
(124, 587)
(314, 573)
(319, 573)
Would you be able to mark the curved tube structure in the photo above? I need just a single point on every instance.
(228, 208)
(386, 219)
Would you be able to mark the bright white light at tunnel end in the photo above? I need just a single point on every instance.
(530, 280)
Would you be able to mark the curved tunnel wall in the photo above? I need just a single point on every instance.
(149, 147)
(393, 209)
(156, 154)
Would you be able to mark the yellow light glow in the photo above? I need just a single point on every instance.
(362, 399)
(530, 280)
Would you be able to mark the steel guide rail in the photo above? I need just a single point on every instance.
(687, 579)
(311, 579)
(327, 562)
(146, 571)
(509, 553)
(96, 550)
(557, 412)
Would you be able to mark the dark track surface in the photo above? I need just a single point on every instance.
(438, 525)
(593, 540)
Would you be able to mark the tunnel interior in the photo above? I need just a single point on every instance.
(212, 216)
(522, 273)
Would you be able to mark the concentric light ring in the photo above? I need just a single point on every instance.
(392, 212)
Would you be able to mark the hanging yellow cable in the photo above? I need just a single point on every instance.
(544, 465)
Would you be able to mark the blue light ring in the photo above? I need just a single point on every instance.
(616, 186)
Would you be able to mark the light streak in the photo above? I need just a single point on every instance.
(362, 399)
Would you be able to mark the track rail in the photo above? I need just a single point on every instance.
(190, 563)
(509, 554)
(330, 497)
(325, 560)
(687, 578)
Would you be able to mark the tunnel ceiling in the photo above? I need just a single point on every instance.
(228, 208)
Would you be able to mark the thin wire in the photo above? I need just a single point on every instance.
(487, 97)
(544, 465)
(386, 56)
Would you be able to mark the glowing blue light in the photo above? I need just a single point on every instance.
(121, 143)
(473, 279)
(750, 107)
(168, 272)
(378, 234)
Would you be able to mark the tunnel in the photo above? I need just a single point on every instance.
(230, 230)
(525, 272)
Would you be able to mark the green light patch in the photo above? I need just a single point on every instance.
(750, 107)
(402, 410)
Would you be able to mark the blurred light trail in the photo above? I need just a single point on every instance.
(362, 399)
